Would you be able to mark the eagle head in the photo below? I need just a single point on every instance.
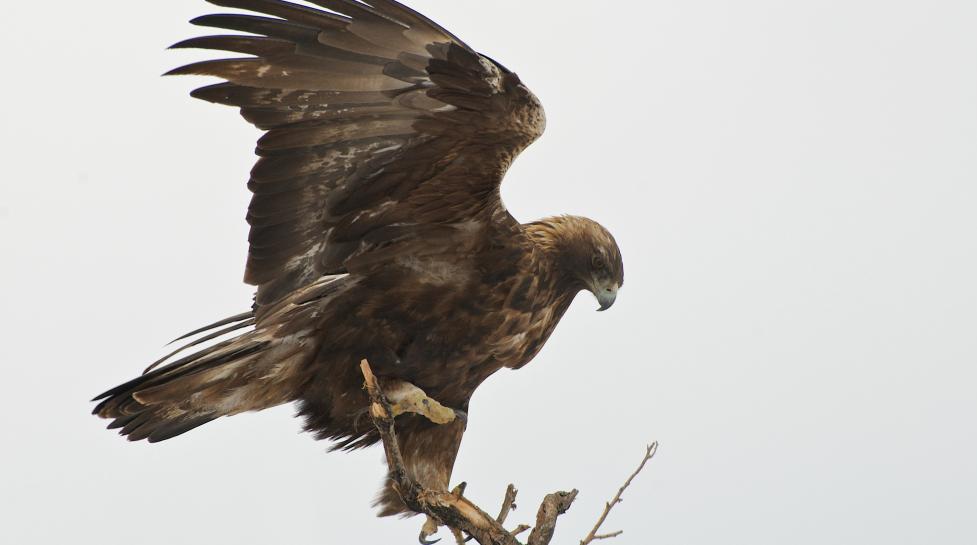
(585, 252)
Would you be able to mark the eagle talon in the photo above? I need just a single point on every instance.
(429, 529)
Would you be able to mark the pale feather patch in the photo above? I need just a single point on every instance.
(436, 271)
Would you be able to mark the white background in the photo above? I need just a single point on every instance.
(793, 187)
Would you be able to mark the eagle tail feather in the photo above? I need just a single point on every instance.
(254, 370)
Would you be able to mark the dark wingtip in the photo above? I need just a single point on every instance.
(201, 20)
(187, 70)
(104, 400)
(219, 20)
(184, 44)
(102, 395)
(209, 93)
(120, 422)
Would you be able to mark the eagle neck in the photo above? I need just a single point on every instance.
(555, 267)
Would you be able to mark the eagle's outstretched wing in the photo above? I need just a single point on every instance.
(381, 127)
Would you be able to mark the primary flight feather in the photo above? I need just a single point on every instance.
(377, 232)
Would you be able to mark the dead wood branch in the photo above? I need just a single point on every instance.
(508, 503)
(593, 535)
(553, 506)
(452, 509)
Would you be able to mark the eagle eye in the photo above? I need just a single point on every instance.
(597, 263)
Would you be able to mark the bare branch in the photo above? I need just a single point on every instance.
(553, 506)
(508, 503)
(593, 535)
(461, 516)
(608, 536)
(452, 509)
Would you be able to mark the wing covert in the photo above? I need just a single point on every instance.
(381, 129)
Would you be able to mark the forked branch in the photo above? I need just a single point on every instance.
(593, 535)
(453, 510)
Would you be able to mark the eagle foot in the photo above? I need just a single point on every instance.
(406, 398)
(429, 529)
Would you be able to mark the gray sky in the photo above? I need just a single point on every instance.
(793, 188)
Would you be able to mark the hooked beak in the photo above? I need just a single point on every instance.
(606, 296)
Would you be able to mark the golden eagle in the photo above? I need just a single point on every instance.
(377, 232)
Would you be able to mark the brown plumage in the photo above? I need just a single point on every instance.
(377, 231)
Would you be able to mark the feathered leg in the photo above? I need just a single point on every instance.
(429, 451)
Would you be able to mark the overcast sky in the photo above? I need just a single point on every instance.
(794, 187)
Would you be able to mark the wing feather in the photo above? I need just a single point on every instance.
(296, 13)
(385, 135)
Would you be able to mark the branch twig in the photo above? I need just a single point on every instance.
(553, 506)
(593, 535)
(452, 509)
(508, 503)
